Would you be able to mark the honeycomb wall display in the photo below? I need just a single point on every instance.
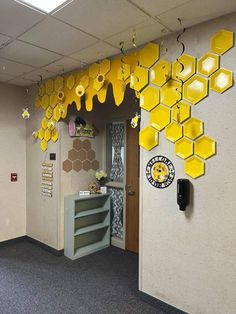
(81, 156)
(165, 89)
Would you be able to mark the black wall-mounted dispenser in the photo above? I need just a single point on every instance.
(183, 190)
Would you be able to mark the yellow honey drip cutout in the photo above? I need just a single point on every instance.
(158, 86)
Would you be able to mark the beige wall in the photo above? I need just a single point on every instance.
(188, 259)
(13, 158)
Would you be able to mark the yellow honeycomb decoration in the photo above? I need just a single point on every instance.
(195, 89)
(160, 117)
(222, 41)
(208, 64)
(205, 147)
(194, 167)
(149, 98)
(221, 80)
(165, 89)
(160, 73)
(139, 78)
(148, 138)
(181, 112)
(184, 68)
(193, 128)
(170, 93)
(184, 148)
(173, 132)
(149, 55)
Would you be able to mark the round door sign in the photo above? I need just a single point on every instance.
(160, 172)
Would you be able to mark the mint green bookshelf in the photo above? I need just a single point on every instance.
(87, 224)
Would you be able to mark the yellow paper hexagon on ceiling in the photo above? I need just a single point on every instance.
(221, 80)
(149, 98)
(139, 78)
(170, 93)
(193, 128)
(160, 73)
(54, 135)
(59, 83)
(94, 70)
(173, 132)
(181, 112)
(195, 89)
(205, 147)
(149, 55)
(44, 123)
(148, 138)
(184, 148)
(49, 112)
(194, 167)
(70, 82)
(222, 41)
(105, 66)
(160, 117)
(184, 67)
(45, 101)
(41, 134)
(49, 86)
(208, 64)
(47, 135)
(44, 145)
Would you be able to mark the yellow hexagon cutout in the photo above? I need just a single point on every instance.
(222, 41)
(173, 132)
(51, 124)
(49, 112)
(49, 86)
(148, 138)
(149, 55)
(47, 135)
(123, 72)
(41, 90)
(160, 117)
(57, 113)
(44, 123)
(205, 147)
(139, 79)
(44, 145)
(70, 82)
(193, 128)
(45, 102)
(94, 70)
(184, 148)
(85, 81)
(149, 98)
(184, 67)
(170, 93)
(181, 112)
(194, 167)
(208, 64)
(38, 102)
(195, 89)
(160, 73)
(53, 100)
(221, 80)
(41, 134)
(105, 66)
(54, 135)
(59, 83)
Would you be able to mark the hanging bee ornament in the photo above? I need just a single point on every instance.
(25, 113)
(134, 120)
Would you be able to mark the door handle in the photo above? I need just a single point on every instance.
(129, 191)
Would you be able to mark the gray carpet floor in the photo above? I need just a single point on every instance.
(34, 281)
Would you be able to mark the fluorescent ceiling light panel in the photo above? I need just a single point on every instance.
(43, 5)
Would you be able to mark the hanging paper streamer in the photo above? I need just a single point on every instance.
(135, 120)
(134, 39)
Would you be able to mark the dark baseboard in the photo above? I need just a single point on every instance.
(45, 247)
(12, 241)
(33, 241)
(165, 307)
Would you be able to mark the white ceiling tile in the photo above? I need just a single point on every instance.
(156, 7)
(21, 82)
(57, 36)
(145, 32)
(64, 65)
(3, 39)
(16, 18)
(102, 18)
(96, 52)
(35, 75)
(14, 68)
(195, 12)
(4, 77)
(25, 53)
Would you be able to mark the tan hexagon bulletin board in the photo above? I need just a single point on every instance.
(81, 156)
